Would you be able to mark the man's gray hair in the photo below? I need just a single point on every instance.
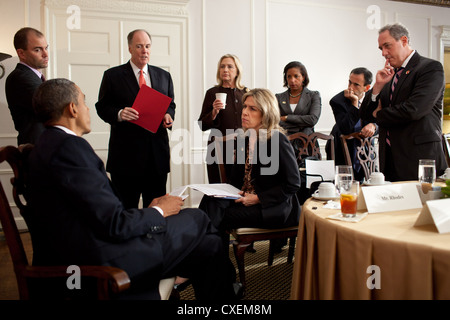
(396, 30)
(52, 97)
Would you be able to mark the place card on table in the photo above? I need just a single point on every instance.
(435, 212)
(392, 197)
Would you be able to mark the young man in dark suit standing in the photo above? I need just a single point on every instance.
(136, 155)
(32, 50)
(406, 103)
(76, 217)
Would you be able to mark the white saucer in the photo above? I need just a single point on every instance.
(317, 197)
(367, 183)
(444, 177)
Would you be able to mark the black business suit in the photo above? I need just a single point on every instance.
(346, 116)
(20, 86)
(134, 152)
(276, 182)
(76, 218)
(412, 120)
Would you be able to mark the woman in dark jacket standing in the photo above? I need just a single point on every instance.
(300, 107)
(216, 116)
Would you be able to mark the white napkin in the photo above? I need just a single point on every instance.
(332, 205)
(357, 218)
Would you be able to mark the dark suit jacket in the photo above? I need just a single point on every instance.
(305, 115)
(75, 216)
(227, 119)
(131, 147)
(20, 86)
(346, 117)
(414, 118)
(276, 181)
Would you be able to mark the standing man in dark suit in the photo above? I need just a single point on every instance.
(136, 155)
(345, 106)
(22, 82)
(76, 217)
(406, 103)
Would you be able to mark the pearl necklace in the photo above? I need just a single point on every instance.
(292, 96)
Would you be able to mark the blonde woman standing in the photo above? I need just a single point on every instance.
(219, 117)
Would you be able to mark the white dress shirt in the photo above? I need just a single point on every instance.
(137, 72)
(374, 96)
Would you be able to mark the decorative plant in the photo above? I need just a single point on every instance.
(446, 190)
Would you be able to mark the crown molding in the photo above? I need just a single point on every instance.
(445, 34)
(163, 8)
(438, 3)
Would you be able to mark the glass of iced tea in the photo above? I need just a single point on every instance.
(349, 191)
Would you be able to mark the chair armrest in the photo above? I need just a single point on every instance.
(118, 278)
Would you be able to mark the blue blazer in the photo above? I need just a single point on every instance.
(76, 218)
(346, 117)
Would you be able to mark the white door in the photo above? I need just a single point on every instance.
(83, 53)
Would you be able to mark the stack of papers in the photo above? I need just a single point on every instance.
(218, 190)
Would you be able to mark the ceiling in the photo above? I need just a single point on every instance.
(439, 3)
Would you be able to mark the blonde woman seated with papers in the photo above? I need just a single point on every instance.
(265, 170)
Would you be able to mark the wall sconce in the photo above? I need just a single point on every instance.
(3, 56)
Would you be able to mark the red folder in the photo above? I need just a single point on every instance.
(152, 106)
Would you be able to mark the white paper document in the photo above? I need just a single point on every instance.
(178, 192)
(435, 212)
(218, 190)
(392, 197)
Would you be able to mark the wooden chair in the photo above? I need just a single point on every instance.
(244, 237)
(365, 152)
(109, 280)
(309, 144)
(446, 146)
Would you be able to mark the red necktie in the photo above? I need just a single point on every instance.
(141, 78)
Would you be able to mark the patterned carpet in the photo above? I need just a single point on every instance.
(263, 282)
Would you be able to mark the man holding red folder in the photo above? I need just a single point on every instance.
(138, 160)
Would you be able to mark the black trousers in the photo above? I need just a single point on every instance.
(192, 249)
(389, 167)
(150, 184)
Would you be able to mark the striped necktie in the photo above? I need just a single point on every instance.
(398, 73)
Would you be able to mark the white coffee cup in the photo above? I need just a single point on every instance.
(222, 97)
(447, 173)
(326, 189)
(376, 178)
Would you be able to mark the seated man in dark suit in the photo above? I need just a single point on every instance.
(76, 217)
(345, 106)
